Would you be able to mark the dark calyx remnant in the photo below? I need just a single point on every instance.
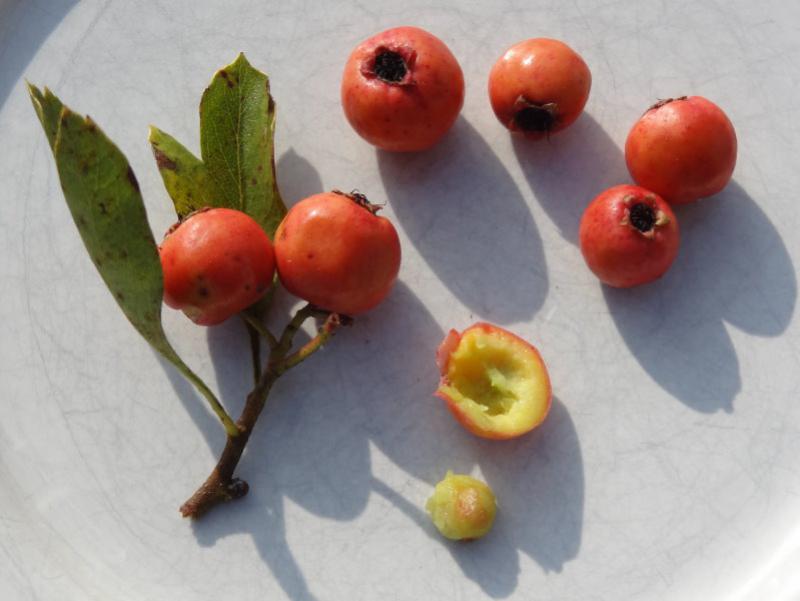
(390, 66)
(664, 102)
(361, 200)
(642, 217)
(535, 118)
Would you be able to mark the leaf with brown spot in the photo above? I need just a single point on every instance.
(237, 134)
(184, 175)
(105, 202)
(99, 185)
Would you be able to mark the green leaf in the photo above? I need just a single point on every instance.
(184, 175)
(48, 109)
(237, 131)
(104, 199)
(105, 202)
(237, 127)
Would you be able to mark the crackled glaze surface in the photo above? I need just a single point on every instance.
(667, 469)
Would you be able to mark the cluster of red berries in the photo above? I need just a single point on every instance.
(402, 90)
(331, 250)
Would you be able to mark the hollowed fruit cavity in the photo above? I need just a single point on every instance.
(494, 383)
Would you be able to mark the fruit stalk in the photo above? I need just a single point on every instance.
(221, 485)
(214, 403)
(329, 327)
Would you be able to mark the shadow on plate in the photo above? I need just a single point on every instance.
(373, 384)
(25, 26)
(297, 177)
(312, 445)
(460, 207)
(539, 483)
(732, 267)
(567, 171)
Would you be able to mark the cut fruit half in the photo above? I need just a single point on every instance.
(494, 382)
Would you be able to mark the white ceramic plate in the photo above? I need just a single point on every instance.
(668, 468)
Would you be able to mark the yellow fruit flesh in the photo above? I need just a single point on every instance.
(462, 507)
(498, 380)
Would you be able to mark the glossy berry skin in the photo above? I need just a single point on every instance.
(216, 263)
(539, 87)
(683, 149)
(629, 236)
(333, 251)
(402, 89)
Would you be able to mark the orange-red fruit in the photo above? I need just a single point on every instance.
(539, 87)
(494, 383)
(216, 263)
(402, 89)
(629, 236)
(683, 149)
(335, 252)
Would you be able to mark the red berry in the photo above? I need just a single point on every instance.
(335, 252)
(216, 263)
(539, 87)
(402, 89)
(629, 236)
(683, 149)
